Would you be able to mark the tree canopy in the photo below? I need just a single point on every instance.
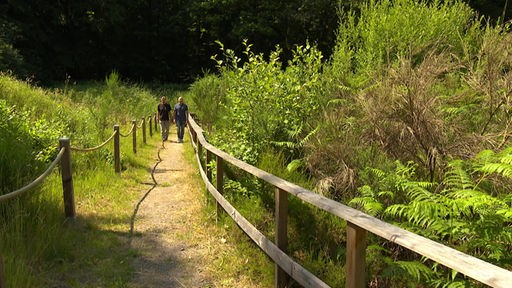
(162, 40)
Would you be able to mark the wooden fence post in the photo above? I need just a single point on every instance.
(67, 178)
(220, 182)
(117, 154)
(144, 130)
(208, 168)
(134, 136)
(281, 199)
(156, 120)
(194, 136)
(199, 151)
(150, 126)
(356, 257)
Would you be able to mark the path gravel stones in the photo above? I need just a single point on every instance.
(165, 226)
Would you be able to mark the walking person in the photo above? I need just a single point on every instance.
(180, 114)
(164, 111)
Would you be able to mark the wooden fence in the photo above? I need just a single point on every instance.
(64, 158)
(358, 226)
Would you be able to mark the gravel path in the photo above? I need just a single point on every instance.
(177, 244)
(166, 226)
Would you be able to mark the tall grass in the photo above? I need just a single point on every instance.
(39, 247)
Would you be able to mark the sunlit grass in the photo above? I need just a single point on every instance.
(237, 261)
(92, 250)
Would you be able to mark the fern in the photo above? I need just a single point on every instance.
(405, 270)
(460, 211)
(368, 201)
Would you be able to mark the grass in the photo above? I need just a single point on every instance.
(238, 262)
(92, 250)
(40, 248)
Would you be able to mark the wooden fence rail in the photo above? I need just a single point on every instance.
(64, 158)
(358, 226)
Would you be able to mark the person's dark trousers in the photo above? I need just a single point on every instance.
(180, 130)
(164, 128)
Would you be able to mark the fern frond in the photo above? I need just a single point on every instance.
(294, 165)
(503, 169)
(387, 194)
(485, 156)
(307, 137)
(397, 210)
(416, 269)
(457, 177)
(507, 159)
(284, 144)
(368, 203)
(506, 213)
(416, 192)
(377, 172)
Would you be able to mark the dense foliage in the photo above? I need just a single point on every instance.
(408, 120)
(163, 40)
(149, 40)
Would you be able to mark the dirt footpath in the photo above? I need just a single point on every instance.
(167, 220)
(176, 245)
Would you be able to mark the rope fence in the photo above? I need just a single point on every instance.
(64, 158)
(129, 133)
(36, 182)
(93, 148)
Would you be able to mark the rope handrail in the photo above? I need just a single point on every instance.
(129, 133)
(93, 148)
(36, 182)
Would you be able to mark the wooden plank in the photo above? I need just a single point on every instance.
(67, 179)
(117, 152)
(281, 214)
(220, 182)
(356, 257)
(295, 270)
(208, 167)
(144, 130)
(134, 136)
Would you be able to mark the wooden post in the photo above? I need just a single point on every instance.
(117, 154)
(356, 257)
(150, 126)
(199, 151)
(144, 130)
(156, 120)
(208, 167)
(220, 182)
(134, 136)
(281, 199)
(67, 179)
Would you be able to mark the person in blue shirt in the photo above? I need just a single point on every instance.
(164, 111)
(180, 118)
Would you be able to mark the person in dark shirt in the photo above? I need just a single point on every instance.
(180, 117)
(164, 111)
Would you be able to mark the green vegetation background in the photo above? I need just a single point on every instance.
(408, 120)
(164, 40)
